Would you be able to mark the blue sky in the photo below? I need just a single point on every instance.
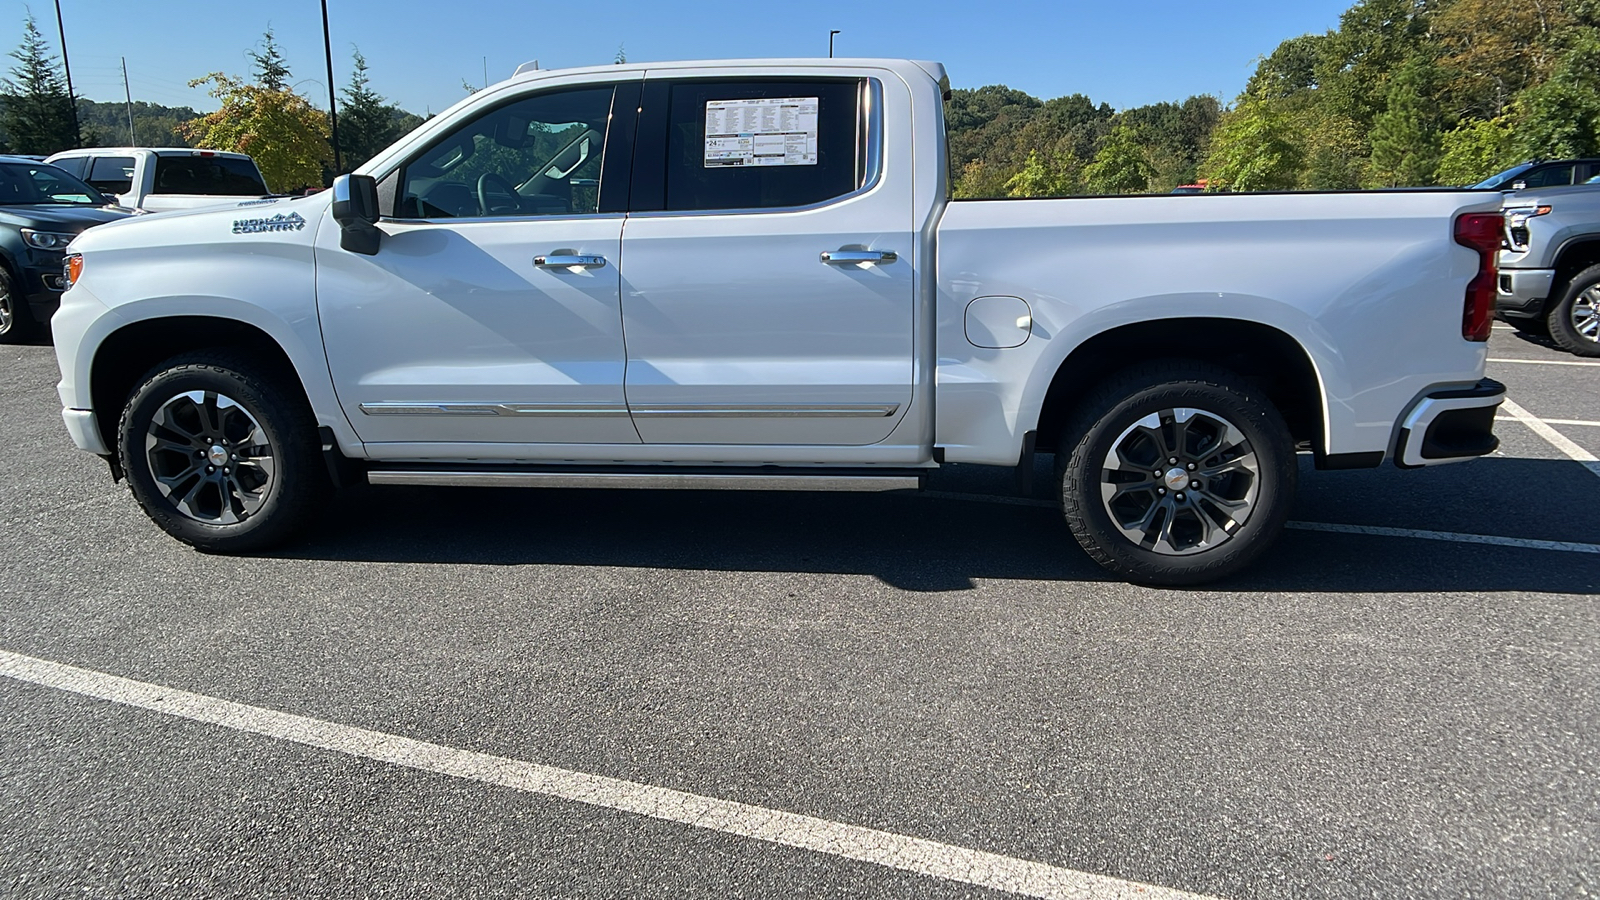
(1125, 54)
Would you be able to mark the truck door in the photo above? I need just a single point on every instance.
(767, 290)
(490, 314)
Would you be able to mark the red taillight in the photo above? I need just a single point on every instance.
(1482, 232)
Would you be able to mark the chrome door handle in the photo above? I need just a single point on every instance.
(568, 261)
(859, 256)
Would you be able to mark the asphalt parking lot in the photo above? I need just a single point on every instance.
(457, 693)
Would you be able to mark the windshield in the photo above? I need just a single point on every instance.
(1503, 177)
(39, 184)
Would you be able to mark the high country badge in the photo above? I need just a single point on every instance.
(279, 222)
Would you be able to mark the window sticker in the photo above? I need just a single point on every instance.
(780, 132)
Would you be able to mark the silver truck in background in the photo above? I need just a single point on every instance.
(165, 178)
(1550, 267)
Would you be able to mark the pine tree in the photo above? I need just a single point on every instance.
(37, 115)
(1406, 136)
(366, 123)
(272, 70)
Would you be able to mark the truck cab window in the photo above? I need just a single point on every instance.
(112, 174)
(539, 156)
(763, 145)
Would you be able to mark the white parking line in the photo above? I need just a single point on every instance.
(1424, 534)
(882, 848)
(1545, 362)
(1557, 439)
(1455, 536)
(1551, 421)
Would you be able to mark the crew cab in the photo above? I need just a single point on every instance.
(749, 274)
(1550, 268)
(166, 178)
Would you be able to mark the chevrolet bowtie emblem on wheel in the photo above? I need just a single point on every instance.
(279, 222)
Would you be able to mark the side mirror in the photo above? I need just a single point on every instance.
(355, 208)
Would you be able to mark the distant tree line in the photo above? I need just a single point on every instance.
(1402, 93)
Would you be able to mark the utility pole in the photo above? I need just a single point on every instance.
(61, 29)
(830, 41)
(333, 116)
(486, 73)
(133, 139)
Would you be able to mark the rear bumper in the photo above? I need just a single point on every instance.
(1452, 425)
(1522, 291)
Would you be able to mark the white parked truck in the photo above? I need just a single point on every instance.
(165, 178)
(751, 274)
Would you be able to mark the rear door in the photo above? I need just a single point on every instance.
(767, 291)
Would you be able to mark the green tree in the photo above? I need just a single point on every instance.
(1561, 116)
(1121, 166)
(37, 111)
(366, 123)
(1406, 135)
(1477, 150)
(1254, 149)
(286, 135)
(271, 69)
(1059, 175)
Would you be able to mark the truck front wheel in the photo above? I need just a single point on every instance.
(1575, 319)
(220, 454)
(1176, 473)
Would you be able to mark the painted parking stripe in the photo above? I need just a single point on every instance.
(882, 848)
(1423, 534)
(1545, 362)
(1584, 422)
(1557, 439)
(1452, 536)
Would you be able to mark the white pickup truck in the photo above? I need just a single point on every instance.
(750, 274)
(166, 178)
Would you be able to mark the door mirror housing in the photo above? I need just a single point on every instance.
(355, 208)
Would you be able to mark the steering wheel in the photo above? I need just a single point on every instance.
(510, 201)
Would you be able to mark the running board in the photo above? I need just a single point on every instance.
(699, 479)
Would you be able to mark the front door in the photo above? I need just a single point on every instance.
(490, 314)
(767, 288)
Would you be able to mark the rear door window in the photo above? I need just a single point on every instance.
(757, 144)
(207, 175)
(112, 174)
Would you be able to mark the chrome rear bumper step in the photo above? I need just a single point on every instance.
(656, 479)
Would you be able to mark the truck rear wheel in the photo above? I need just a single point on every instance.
(1176, 473)
(1575, 319)
(220, 454)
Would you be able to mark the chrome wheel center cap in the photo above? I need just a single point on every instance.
(218, 455)
(1176, 479)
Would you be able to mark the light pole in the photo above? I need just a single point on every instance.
(61, 29)
(333, 116)
(830, 41)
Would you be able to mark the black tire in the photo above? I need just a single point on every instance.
(270, 478)
(16, 320)
(1574, 320)
(1196, 546)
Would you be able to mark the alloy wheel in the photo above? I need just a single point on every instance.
(1180, 481)
(210, 457)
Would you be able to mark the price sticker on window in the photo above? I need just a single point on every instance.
(779, 132)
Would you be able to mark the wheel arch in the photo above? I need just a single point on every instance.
(1576, 255)
(125, 355)
(1261, 353)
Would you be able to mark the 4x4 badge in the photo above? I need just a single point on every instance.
(279, 222)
